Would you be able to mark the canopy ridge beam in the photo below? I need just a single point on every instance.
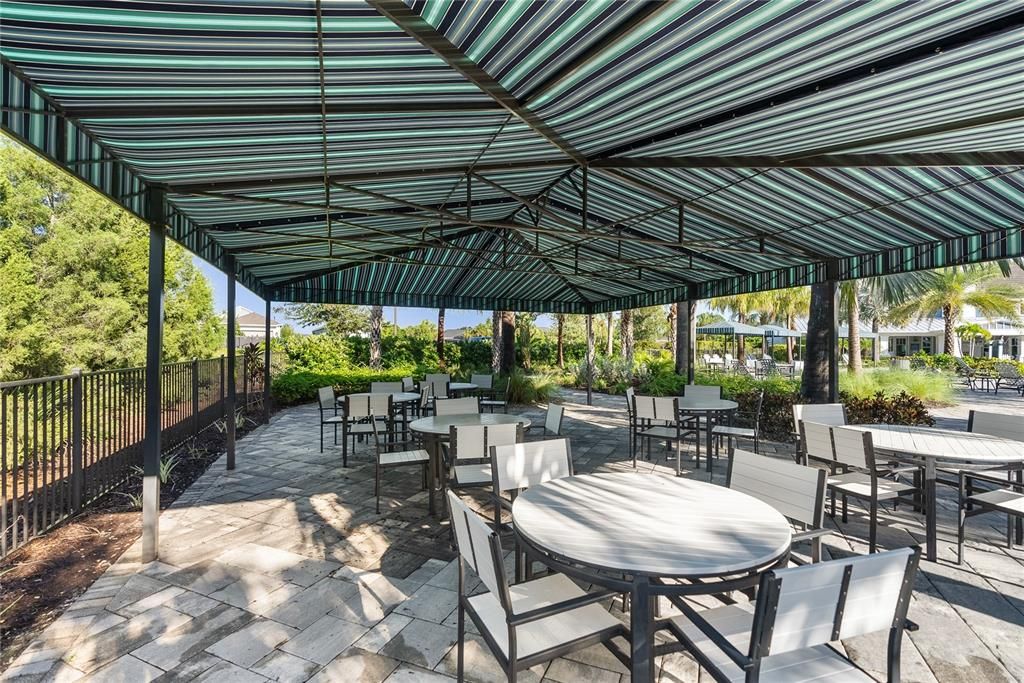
(411, 23)
(132, 111)
(923, 51)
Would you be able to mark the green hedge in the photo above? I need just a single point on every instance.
(301, 386)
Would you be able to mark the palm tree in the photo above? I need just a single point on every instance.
(440, 337)
(948, 290)
(376, 319)
(609, 346)
(785, 306)
(673, 332)
(972, 332)
(508, 342)
(560, 319)
(626, 332)
(849, 302)
(742, 305)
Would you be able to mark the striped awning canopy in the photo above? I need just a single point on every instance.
(779, 332)
(572, 156)
(730, 329)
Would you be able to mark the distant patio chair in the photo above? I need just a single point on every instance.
(457, 406)
(328, 406)
(395, 454)
(360, 412)
(831, 414)
(553, 420)
(408, 384)
(657, 417)
(1009, 375)
(732, 431)
(468, 453)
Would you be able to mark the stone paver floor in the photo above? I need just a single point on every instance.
(281, 570)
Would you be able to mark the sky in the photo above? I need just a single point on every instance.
(406, 316)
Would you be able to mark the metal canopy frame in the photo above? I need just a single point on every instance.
(638, 220)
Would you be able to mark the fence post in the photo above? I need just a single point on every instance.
(245, 382)
(77, 473)
(195, 396)
(223, 388)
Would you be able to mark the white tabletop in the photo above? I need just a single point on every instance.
(650, 524)
(944, 445)
(396, 397)
(440, 425)
(712, 404)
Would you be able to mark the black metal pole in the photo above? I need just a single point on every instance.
(229, 412)
(266, 367)
(590, 358)
(691, 340)
(154, 351)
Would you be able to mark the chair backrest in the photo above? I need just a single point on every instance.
(425, 396)
(996, 424)
(801, 607)
(832, 414)
(553, 419)
(364, 405)
(758, 405)
(797, 491)
(816, 439)
(1008, 371)
(728, 358)
(853, 447)
(325, 396)
(706, 357)
(457, 406)
(656, 408)
(442, 377)
(630, 394)
(482, 381)
(385, 387)
(479, 547)
(522, 465)
(702, 391)
(408, 384)
(474, 442)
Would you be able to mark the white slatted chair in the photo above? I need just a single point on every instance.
(515, 467)
(360, 411)
(468, 452)
(731, 431)
(553, 420)
(408, 384)
(490, 396)
(785, 634)
(484, 384)
(425, 401)
(797, 491)
(470, 405)
(708, 392)
(527, 623)
(657, 418)
(439, 384)
(1000, 493)
(861, 477)
(831, 414)
(395, 454)
(385, 387)
(328, 413)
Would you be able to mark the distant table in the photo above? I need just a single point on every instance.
(396, 397)
(437, 428)
(708, 408)
(629, 531)
(932, 447)
(461, 387)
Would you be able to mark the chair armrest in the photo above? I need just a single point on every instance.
(810, 534)
(559, 607)
(964, 475)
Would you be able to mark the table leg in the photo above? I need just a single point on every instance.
(641, 631)
(930, 510)
(707, 437)
(434, 449)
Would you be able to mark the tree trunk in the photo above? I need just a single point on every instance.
(376, 318)
(876, 351)
(673, 314)
(853, 323)
(590, 355)
(508, 342)
(560, 318)
(686, 338)
(626, 331)
(790, 324)
(440, 338)
(949, 334)
(609, 345)
(495, 341)
(814, 386)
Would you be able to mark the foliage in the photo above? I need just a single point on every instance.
(932, 388)
(901, 408)
(523, 388)
(73, 279)
(315, 352)
(300, 386)
(336, 319)
(167, 466)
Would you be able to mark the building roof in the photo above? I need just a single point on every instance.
(536, 156)
(243, 316)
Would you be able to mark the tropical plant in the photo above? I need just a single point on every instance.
(948, 290)
(530, 388)
(440, 337)
(167, 466)
(336, 319)
(971, 332)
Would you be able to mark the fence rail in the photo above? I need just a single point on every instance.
(67, 440)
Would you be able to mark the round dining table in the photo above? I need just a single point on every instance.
(461, 387)
(709, 409)
(396, 396)
(639, 533)
(931, 447)
(437, 428)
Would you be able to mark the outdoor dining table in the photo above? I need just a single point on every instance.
(437, 428)
(931, 447)
(649, 535)
(709, 408)
(461, 387)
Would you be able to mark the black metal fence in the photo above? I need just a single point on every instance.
(67, 440)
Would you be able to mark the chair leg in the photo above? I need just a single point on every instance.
(460, 666)
(321, 437)
(960, 533)
(376, 484)
(873, 532)
(845, 517)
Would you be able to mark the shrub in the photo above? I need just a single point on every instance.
(902, 409)
(315, 352)
(530, 388)
(930, 387)
(300, 386)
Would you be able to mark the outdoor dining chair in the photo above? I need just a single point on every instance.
(439, 385)
(524, 624)
(468, 452)
(553, 419)
(361, 410)
(657, 417)
(516, 467)
(858, 475)
(484, 384)
(395, 454)
(785, 634)
(631, 423)
(732, 431)
(831, 414)
(457, 406)
(385, 387)
(328, 406)
(1009, 375)
(408, 384)
(710, 392)
(796, 491)
(491, 397)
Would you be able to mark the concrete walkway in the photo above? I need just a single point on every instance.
(282, 571)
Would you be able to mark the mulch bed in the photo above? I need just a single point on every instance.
(40, 580)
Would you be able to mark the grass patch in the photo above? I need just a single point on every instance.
(933, 388)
